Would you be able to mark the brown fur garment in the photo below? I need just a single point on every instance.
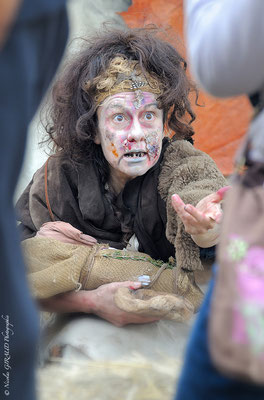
(192, 175)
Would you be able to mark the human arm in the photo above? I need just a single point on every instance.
(192, 175)
(99, 302)
(224, 44)
(57, 271)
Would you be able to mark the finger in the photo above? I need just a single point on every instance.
(218, 218)
(189, 222)
(177, 203)
(187, 219)
(214, 212)
(130, 284)
(220, 194)
(192, 226)
(200, 218)
(88, 239)
(177, 200)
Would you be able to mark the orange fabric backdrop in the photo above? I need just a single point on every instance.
(220, 124)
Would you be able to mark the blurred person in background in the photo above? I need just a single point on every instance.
(29, 56)
(225, 46)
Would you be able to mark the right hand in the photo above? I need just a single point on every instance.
(99, 301)
(105, 307)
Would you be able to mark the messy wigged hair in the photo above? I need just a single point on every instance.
(72, 117)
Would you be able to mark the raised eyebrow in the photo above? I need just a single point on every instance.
(150, 104)
(117, 105)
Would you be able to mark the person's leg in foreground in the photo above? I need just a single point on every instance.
(199, 379)
(28, 61)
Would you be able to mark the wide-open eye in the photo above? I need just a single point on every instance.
(149, 116)
(119, 118)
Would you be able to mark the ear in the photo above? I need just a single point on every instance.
(97, 139)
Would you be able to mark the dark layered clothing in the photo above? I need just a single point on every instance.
(77, 196)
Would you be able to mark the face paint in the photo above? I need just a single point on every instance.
(152, 145)
(138, 99)
(130, 134)
(114, 150)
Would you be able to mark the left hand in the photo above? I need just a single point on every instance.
(202, 218)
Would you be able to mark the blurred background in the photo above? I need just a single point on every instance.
(220, 124)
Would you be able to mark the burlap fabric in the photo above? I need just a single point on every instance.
(55, 267)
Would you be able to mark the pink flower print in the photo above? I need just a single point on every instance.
(248, 316)
(250, 276)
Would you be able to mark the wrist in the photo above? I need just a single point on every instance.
(207, 239)
(86, 301)
(71, 302)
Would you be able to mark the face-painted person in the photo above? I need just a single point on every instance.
(115, 175)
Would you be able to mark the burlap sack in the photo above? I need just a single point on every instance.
(55, 267)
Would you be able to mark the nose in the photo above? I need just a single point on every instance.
(136, 133)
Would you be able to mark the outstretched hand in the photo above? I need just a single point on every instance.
(201, 221)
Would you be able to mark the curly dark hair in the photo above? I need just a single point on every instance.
(72, 115)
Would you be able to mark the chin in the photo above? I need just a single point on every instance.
(139, 173)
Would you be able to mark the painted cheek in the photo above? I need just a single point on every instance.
(113, 149)
(109, 134)
(153, 146)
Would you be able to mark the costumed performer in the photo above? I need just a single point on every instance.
(114, 172)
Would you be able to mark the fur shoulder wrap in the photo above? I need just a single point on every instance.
(192, 175)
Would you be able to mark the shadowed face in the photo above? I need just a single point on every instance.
(130, 133)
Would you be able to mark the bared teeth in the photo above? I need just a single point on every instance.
(135, 154)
